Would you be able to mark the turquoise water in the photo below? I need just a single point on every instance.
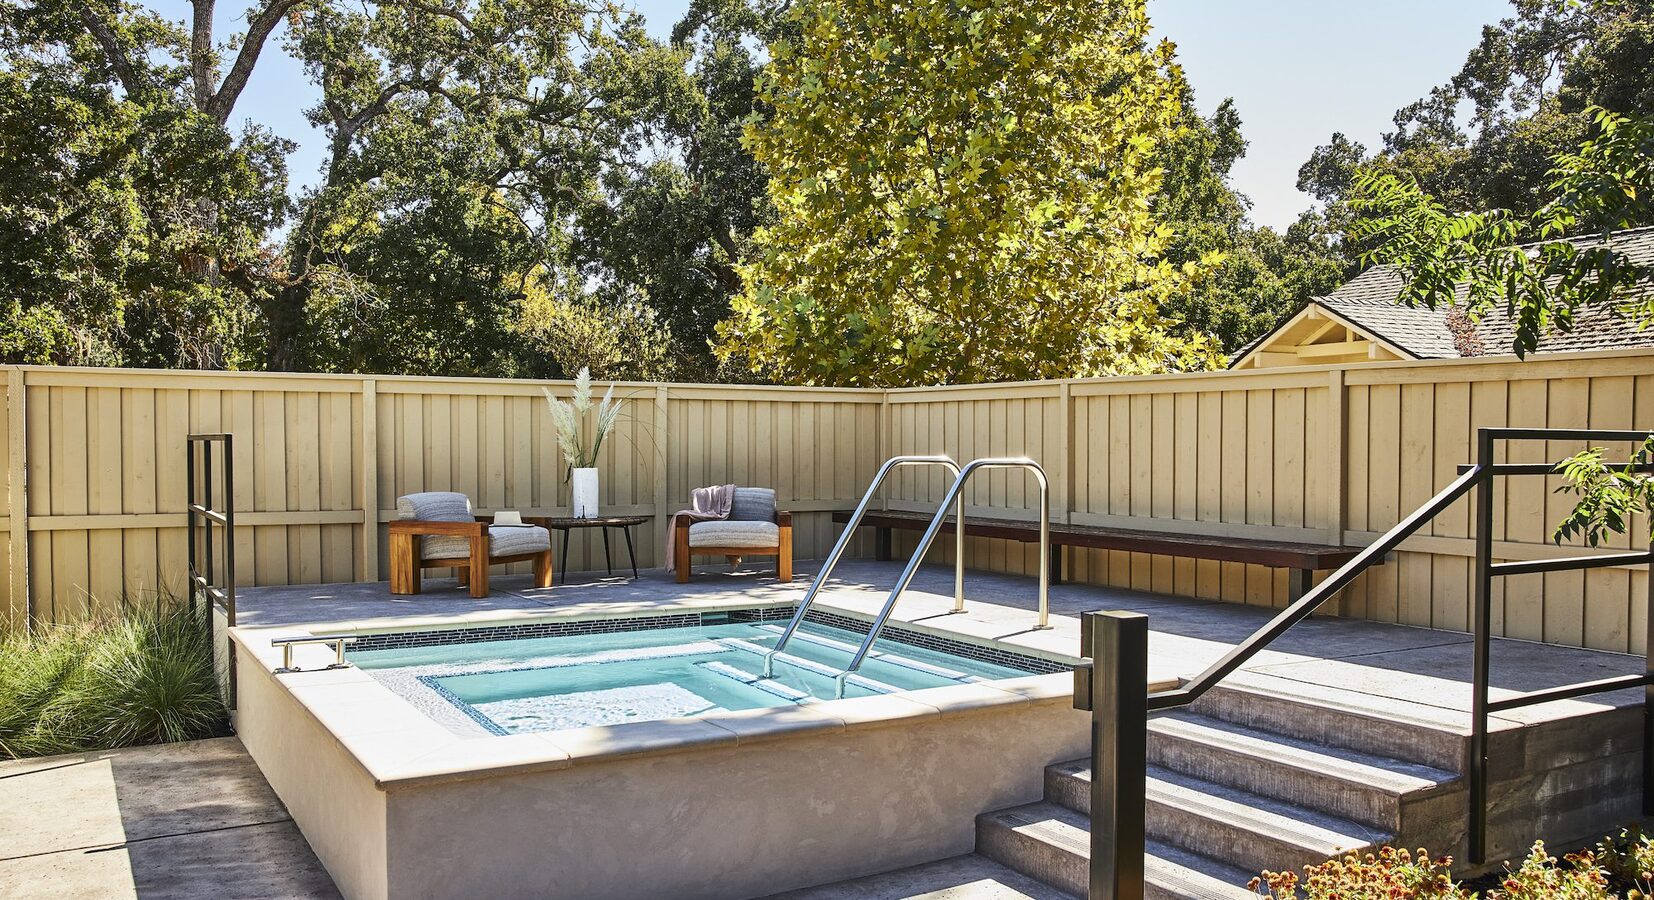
(544, 684)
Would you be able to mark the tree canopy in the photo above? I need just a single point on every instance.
(518, 187)
(962, 193)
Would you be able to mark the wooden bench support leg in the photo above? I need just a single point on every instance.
(479, 566)
(404, 564)
(784, 555)
(1299, 581)
(680, 554)
(1056, 564)
(881, 544)
(543, 569)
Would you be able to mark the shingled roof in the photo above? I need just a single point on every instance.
(1368, 302)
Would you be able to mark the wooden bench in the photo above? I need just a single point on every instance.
(1302, 559)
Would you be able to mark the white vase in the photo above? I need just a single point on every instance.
(583, 486)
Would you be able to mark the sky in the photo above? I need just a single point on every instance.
(1298, 70)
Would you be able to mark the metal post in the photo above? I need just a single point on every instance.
(1482, 625)
(1119, 752)
(229, 536)
(1044, 548)
(959, 555)
(189, 532)
(206, 525)
(1648, 693)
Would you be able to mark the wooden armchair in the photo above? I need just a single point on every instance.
(436, 530)
(754, 528)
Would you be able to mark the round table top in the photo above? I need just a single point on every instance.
(572, 522)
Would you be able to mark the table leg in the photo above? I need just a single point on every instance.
(566, 553)
(607, 562)
(630, 553)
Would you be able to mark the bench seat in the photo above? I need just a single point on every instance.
(1302, 558)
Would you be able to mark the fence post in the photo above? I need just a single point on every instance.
(370, 480)
(1118, 644)
(662, 487)
(1338, 468)
(17, 510)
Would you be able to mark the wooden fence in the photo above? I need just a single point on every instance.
(320, 461)
(1334, 454)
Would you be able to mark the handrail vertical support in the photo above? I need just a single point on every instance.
(1119, 752)
(1648, 692)
(959, 555)
(1483, 625)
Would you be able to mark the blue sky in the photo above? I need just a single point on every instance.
(1298, 70)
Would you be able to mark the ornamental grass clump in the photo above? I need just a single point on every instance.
(143, 676)
(568, 418)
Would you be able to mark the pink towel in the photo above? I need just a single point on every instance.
(705, 504)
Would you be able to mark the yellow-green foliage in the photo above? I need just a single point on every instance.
(962, 192)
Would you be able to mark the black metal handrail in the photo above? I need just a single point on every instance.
(1482, 706)
(1306, 605)
(1116, 669)
(210, 584)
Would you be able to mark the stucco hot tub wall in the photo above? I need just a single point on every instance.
(735, 805)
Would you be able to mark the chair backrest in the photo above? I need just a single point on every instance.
(752, 504)
(434, 506)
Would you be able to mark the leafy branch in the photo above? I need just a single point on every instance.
(1608, 494)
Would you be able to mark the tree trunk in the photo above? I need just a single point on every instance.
(284, 312)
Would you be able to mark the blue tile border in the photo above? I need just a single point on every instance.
(430, 681)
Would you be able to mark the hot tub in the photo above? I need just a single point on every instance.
(647, 756)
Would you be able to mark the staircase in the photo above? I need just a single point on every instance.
(1258, 774)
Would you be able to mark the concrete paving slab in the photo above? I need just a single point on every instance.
(1440, 675)
(968, 877)
(189, 820)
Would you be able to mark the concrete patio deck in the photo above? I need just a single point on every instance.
(195, 820)
(1411, 671)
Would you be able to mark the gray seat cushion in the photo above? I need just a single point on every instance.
(733, 533)
(451, 506)
(438, 506)
(513, 540)
(752, 504)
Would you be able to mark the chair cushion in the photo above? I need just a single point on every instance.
(438, 506)
(733, 533)
(752, 504)
(514, 540)
(503, 540)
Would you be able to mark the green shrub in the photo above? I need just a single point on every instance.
(145, 676)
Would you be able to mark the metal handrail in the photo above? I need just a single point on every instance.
(288, 643)
(890, 465)
(1112, 682)
(936, 522)
(1312, 599)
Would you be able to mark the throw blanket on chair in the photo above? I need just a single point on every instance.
(705, 504)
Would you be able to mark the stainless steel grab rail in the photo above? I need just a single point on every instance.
(890, 465)
(339, 641)
(953, 496)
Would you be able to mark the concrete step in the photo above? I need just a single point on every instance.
(1053, 844)
(1335, 717)
(1224, 823)
(1361, 787)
